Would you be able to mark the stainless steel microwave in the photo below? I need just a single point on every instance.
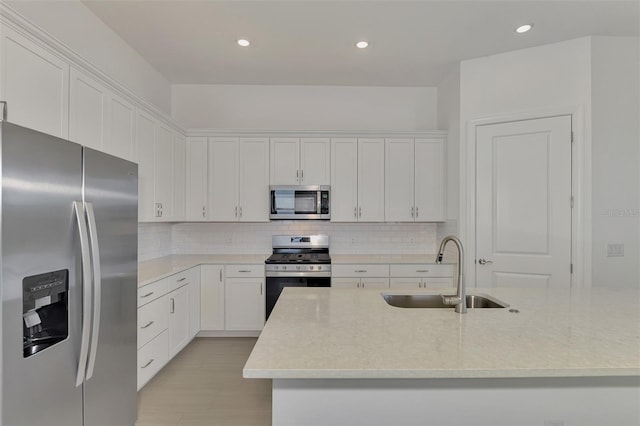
(300, 202)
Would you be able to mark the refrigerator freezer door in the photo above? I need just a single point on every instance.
(41, 179)
(110, 188)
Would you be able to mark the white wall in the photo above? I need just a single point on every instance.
(305, 107)
(615, 145)
(75, 25)
(563, 75)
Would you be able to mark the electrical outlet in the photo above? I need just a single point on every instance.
(615, 250)
(229, 240)
(354, 240)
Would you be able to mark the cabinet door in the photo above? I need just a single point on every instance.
(254, 180)
(211, 297)
(165, 176)
(244, 304)
(371, 174)
(179, 177)
(194, 301)
(145, 141)
(380, 283)
(399, 163)
(87, 111)
(405, 283)
(315, 161)
(121, 129)
(179, 330)
(197, 176)
(345, 282)
(35, 85)
(223, 179)
(284, 161)
(429, 180)
(344, 180)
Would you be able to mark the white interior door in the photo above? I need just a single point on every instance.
(523, 199)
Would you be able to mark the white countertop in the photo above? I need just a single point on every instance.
(156, 269)
(340, 333)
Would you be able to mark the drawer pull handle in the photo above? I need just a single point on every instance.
(173, 305)
(361, 270)
(148, 363)
(422, 270)
(148, 325)
(181, 279)
(244, 270)
(146, 295)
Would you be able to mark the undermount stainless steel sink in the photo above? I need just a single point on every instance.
(435, 301)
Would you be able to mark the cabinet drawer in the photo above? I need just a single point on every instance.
(241, 271)
(421, 270)
(152, 357)
(151, 292)
(444, 282)
(180, 279)
(153, 318)
(360, 270)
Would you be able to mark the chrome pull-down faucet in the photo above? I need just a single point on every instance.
(460, 299)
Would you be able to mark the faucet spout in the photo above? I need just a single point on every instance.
(460, 299)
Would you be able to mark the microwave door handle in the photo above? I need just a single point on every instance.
(319, 202)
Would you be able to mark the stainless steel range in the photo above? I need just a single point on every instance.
(297, 261)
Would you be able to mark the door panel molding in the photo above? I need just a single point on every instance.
(580, 188)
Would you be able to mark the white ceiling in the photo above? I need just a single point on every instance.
(412, 43)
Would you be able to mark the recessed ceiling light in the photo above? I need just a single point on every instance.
(362, 44)
(244, 43)
(524, 28)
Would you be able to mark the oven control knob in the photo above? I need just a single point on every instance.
(284, 268)
(275, 267)
(311, 268)
(298, 267)
(319, 268)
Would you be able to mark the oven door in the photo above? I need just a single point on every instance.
(275, 285)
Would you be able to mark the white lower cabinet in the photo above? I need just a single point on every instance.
(360, 276)
(412, 276)
(167, 320)
(211, 297)
(179, 331)
(152, 357)
(244, 297)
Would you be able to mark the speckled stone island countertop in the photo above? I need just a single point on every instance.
(155, 269)
(343, 333)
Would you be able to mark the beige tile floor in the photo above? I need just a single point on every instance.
(203, 385)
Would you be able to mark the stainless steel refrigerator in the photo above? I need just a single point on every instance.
(69, 273)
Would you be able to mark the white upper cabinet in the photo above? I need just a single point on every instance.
(399, 180)
(357, 180)
(254, 180)
(197, 179)
(159, 166)
(88, 115)
(223, 179)
(35, 85)
(120, 139)
(414, 180)
(371, 173)
(179, 180)
(429, 190)
(145, 142)
(315, 161)
(164, 174)
(296, 161)
(100, 119)
(239, 179)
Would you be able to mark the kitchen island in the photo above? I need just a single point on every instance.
(553, 357)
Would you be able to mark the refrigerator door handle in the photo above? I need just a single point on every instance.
(86, 291)
(97, 287)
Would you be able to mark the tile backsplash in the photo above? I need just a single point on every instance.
(156, 240)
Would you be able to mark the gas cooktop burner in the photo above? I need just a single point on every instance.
(300, 250)
(299, 258)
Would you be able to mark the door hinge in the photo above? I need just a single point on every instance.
(571, 268)
(572, 201)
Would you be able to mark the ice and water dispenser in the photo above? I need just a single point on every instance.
(45, 299)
